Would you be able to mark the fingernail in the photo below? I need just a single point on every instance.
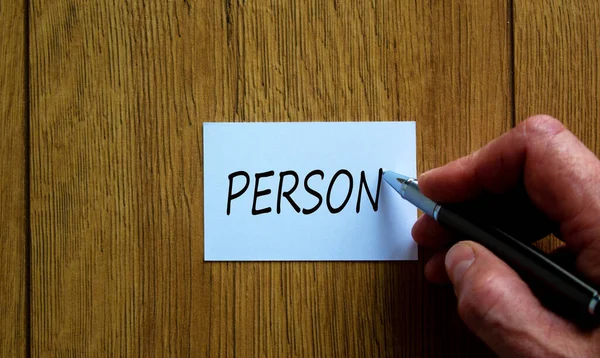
(459, 258)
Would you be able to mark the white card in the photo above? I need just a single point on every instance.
(290, 191)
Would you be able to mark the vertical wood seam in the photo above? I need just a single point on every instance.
(512, 60)
(26, 139)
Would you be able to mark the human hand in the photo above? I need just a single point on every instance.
(562, 178)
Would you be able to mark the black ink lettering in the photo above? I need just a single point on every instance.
(313, 192)
(335, 176)
(231, 196)
(363, 182)
(287, 194)
(258, 193)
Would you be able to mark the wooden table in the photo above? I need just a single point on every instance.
(101, 235)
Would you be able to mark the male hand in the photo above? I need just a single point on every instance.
(562, 178)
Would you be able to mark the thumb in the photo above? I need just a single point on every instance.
(500, 308)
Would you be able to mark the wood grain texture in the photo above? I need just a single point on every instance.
(557, 67)
(469, 103)
(119, 93)
(13, 183)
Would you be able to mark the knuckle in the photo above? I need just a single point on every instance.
(541, 119)
(541, 125)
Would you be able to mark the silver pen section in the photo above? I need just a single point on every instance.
(408, 188)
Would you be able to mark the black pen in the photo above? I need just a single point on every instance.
(569, 293)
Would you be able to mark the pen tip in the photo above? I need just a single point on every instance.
(394, 179)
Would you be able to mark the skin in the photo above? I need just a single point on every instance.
(562, 178)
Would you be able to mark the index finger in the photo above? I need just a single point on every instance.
(560, 174)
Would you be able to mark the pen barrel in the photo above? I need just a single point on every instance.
(543, 275)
